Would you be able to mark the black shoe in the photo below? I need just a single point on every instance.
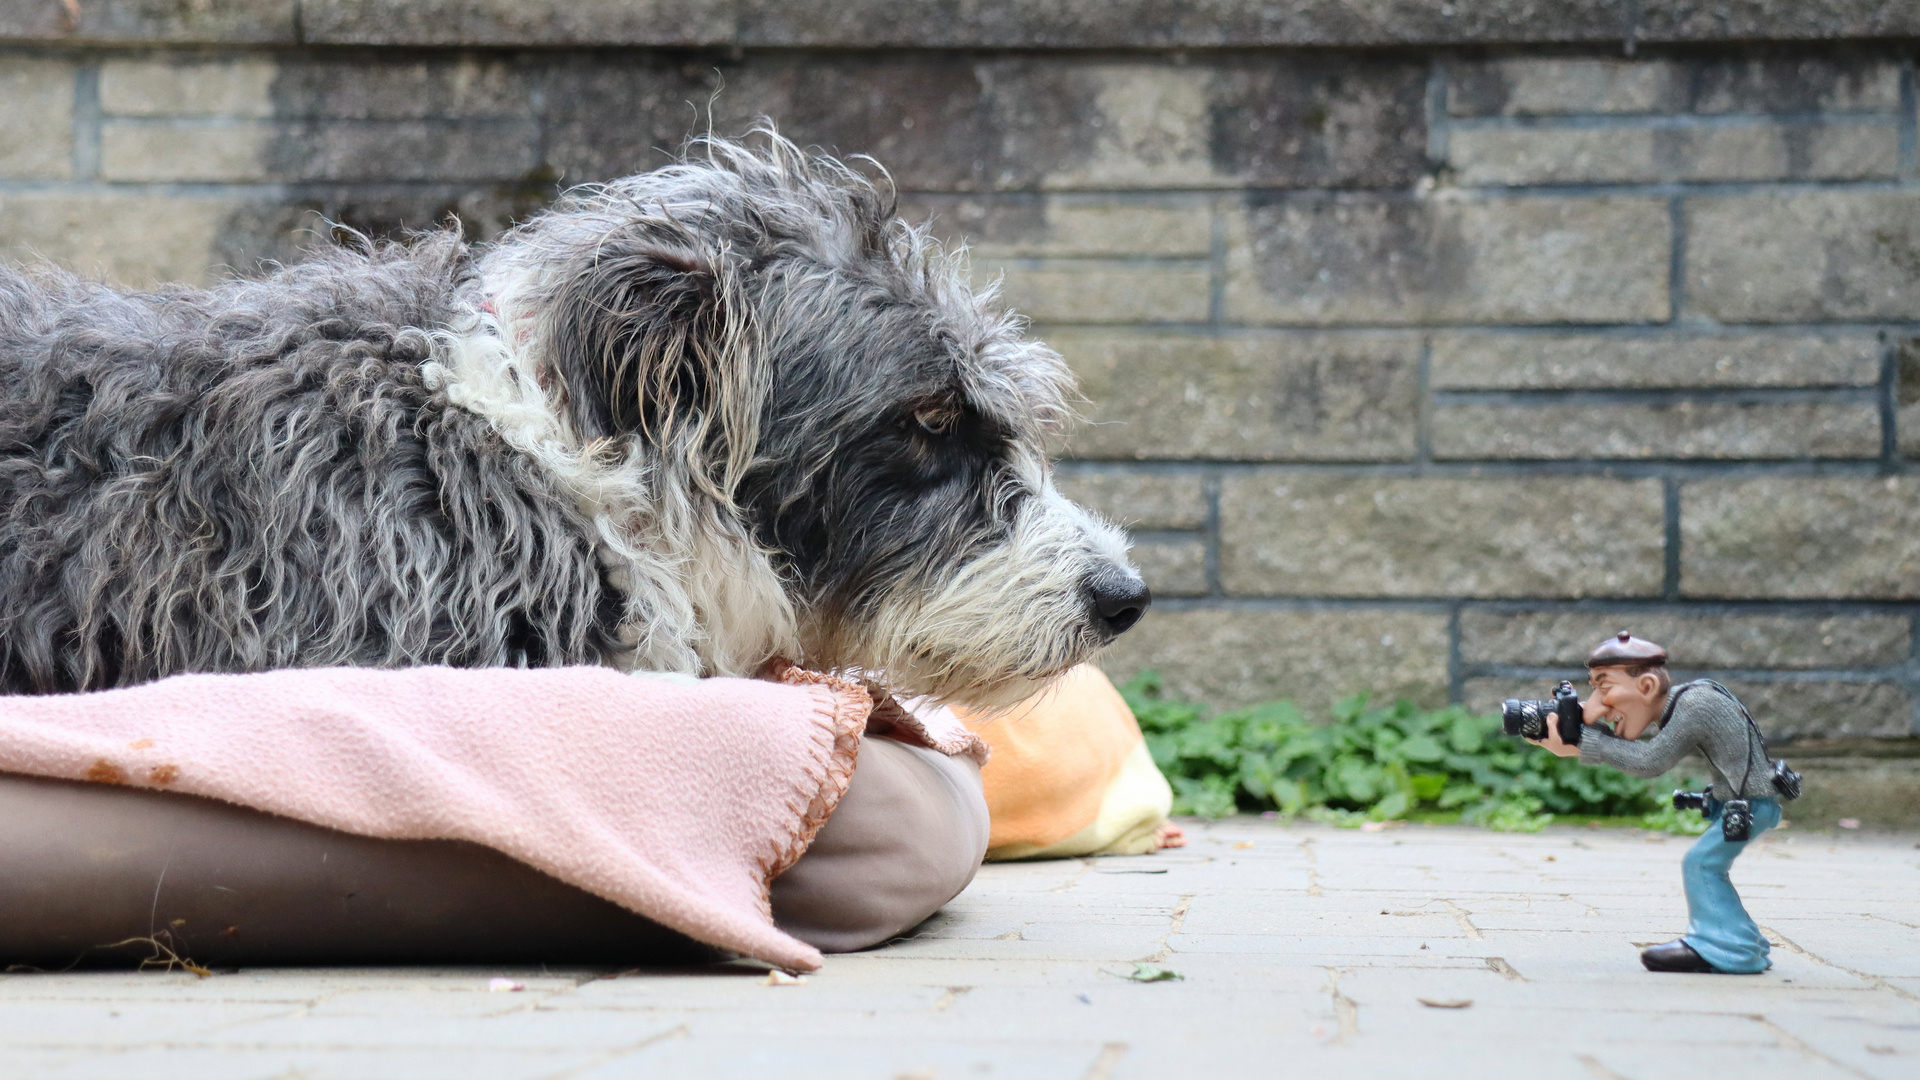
(1675, 955)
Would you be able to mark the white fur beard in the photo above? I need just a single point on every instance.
(1000, 627)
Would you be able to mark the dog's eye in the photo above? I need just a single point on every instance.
(937, 419)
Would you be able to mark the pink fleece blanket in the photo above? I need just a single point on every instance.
(680, 801)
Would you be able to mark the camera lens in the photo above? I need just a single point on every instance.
(1526, 719)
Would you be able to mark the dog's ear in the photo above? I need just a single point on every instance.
(646, 339)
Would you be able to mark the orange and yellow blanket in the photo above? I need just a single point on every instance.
(1070, 775)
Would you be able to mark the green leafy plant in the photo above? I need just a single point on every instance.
(1681, 822)
(1377, 764)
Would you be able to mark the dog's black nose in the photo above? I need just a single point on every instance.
(1119, 599)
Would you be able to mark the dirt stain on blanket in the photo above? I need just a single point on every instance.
(162, 775)
(106, 772)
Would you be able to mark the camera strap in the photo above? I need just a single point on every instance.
(1753, 728)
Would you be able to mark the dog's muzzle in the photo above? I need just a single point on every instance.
(1117, 598)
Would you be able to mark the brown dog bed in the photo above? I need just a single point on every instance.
(434, 814)
(109, 875)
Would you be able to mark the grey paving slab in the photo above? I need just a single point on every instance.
(1303, 950)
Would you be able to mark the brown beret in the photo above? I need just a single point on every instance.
(1625, 650)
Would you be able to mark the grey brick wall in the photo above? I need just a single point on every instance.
(1414, 370)
(1627, 352)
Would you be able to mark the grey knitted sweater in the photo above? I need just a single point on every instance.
(1698, 718)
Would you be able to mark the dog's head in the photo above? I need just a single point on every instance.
(823, 381)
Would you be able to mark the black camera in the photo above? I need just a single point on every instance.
(1690, 800)
(1736, 821)
(1529, 719)
(1736, 815)
(1786, 781)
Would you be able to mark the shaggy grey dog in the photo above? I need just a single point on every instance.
(694, 420)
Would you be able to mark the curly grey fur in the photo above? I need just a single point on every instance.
(691, 420)
(255, 476)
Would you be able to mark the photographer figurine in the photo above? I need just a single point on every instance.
(1631, 688)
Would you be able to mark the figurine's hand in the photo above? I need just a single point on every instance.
(1552, 742)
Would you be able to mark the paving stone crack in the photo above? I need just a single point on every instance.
(1109, 1059)
(1591, 910)
(1874, 981)
(1086, 865)
(1179, 919)
(1461, 915)
(1896, 922)
(1595, 1069)
(293, 1013)
(1790, 1041)
(1346, 1012)
(678, 1031)
(1464, 917)
(1499, 966)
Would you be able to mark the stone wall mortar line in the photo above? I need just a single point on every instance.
(1269, 194)
(294, 189)
(442, 124)
(86, 122)
(1887, 394)
(1177, 262)
(1488, 468)
(1151, 466)
(1621, 29)
(264, 189)
(1490, 194)
(1909, 122)
(1677, 261)
(1670, 508)
(1456, 668)
(1900, 673)
(1428, 605)
(1677, 121)
(826, 50)
(538, 89)
(1701, 330)
(1913, 662)
(1425, 402)
(1166, 536)
(1695, 328)
(1837, 608)
(1439, 124)
(1672, 395)
(1653, 189)
(1725, 608)
(1216, 263)
(1210, 486)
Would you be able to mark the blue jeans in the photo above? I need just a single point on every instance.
(1718, 926)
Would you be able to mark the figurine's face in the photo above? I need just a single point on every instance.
(1633, 703)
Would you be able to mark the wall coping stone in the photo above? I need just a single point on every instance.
(948, 24)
